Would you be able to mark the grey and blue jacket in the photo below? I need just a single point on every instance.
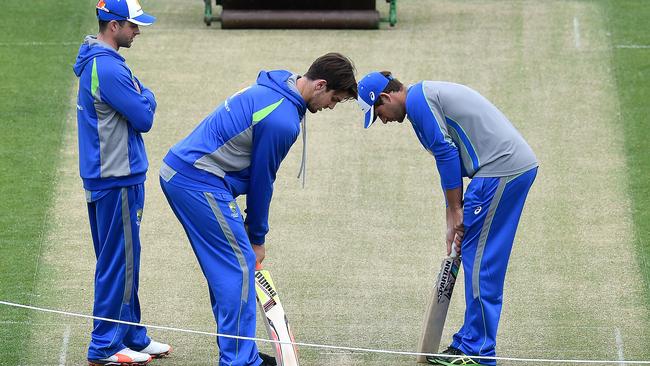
(113, 110)
(239, 146)
(466, 133)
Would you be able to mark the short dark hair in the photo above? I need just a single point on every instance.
(103, 24)
(337, 70)
(394, 85)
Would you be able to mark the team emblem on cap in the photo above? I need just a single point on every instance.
(101, 5)
(372, 96)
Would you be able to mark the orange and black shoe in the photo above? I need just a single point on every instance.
(455, 357)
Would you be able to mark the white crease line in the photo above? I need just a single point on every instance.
(619, 346)
(635, 46)
(64, 347)
(576, 32)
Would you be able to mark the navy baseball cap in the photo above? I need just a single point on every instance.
(369, 88)
(130, 10)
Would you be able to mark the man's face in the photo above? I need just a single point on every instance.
(125, 34)
(323, 98)
(390, 110)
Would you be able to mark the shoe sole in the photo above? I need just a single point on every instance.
(161, 355)
(111, 363)
(445, 363)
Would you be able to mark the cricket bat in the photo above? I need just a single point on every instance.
(275, 320)
(434, 318)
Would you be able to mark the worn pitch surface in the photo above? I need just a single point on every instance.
(355, 252)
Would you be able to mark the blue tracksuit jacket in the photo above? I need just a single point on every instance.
(239, 147)
(113, 109)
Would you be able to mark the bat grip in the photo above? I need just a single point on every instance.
(454, 250)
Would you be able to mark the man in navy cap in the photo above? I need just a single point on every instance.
(113, 109)
(469, 137)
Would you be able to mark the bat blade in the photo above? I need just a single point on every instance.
(275, 319)
(436, 314)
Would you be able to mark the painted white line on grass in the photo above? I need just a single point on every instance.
(37, 44)
(619, 346)
(323, 346)
(576, 32)
(11, 322)
(38, 324)
(634, 46)
(64, 347)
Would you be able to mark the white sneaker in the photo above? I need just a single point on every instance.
(125, 357)
(157, 349)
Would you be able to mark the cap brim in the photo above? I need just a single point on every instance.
(143, 19)
(370, 118)
(368, 111)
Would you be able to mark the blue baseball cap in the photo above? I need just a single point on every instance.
(369, 89)
(130, 10)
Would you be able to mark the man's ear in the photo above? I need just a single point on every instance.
(320, 84)
(113, 26)
(385, 98)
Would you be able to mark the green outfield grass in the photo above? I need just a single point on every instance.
(629, 28)
(37, 50)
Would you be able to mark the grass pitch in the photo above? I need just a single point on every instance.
(631, 60)
(354, 254)
(37, 48)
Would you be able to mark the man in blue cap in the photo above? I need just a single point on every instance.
(469, 137)
(113, 110)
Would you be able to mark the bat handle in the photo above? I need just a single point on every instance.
(454, 250)
(258, 266)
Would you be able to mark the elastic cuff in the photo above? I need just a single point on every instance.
(255, 239)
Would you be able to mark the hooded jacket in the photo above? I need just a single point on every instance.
(113, 109)
(239, 147)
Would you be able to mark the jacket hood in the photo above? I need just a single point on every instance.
(91, 48)
(277, 80)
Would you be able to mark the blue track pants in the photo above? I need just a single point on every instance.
(214, 225)
(115, 226)
(492, 208)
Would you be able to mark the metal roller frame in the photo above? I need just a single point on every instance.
(209, 17)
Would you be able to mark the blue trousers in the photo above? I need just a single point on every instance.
(214, 225)
(115, 226)
(492, 208)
